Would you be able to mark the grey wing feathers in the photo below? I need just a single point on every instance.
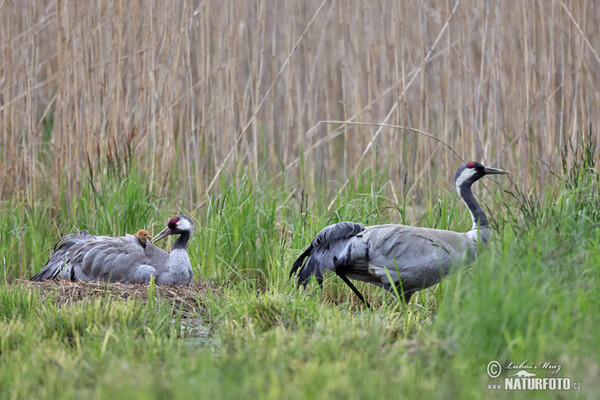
(56, 264)
(114, 259)
(321, 251)
(86, 257)
(415, 257)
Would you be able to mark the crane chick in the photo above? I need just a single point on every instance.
(143, 236)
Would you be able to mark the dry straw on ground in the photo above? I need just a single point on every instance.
(188, 299)
(207, 85)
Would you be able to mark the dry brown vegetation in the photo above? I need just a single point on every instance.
(205, 86)
(185, 299)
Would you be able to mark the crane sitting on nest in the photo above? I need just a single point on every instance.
(405, 258)
(126, 259)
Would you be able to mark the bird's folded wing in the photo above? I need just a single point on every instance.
(416, 255)
(112, 258)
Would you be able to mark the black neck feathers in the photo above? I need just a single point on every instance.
(477, 214)
(181, 242)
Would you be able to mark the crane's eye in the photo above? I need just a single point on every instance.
(172, 224)
(470, 164)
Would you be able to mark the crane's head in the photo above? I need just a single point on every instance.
(176, 226)
(473, 171)
(143, 236)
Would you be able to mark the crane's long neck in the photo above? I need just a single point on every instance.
(181, 242)
(477, 215)
(179, 267)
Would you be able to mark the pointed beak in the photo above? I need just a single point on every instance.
(163, 234)
(494, 171)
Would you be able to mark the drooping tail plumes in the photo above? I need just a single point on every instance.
(57, 262)
(322, 251)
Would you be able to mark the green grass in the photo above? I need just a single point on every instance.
(533, 294)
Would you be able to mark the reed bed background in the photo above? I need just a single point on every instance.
(265, 122)
(199, 88)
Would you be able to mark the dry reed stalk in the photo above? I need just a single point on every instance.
(213, 86)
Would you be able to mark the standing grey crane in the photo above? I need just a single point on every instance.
(127, 259)
(406, 258)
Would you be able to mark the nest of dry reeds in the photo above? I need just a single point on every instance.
(188, 299)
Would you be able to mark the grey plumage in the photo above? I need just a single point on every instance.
(397, 257)
(85, 257)
(320, 249)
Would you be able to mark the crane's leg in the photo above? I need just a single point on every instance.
(354, 289)
(339, 269)
(407, 296)
(404, 295)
